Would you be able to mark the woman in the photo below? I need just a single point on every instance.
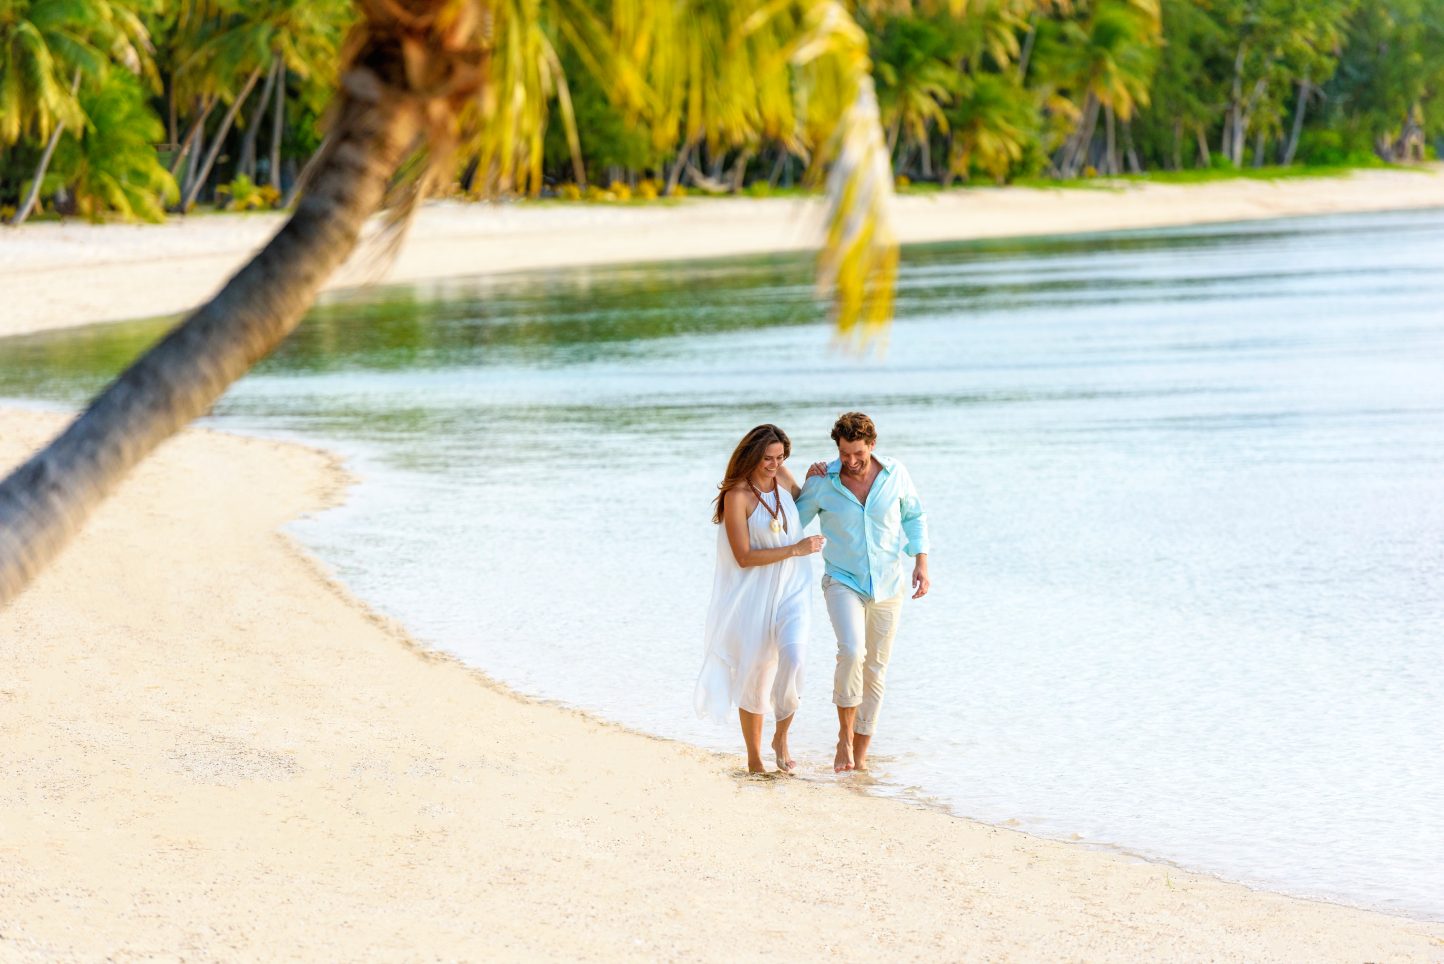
(758, 622)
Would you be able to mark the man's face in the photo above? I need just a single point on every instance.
(855, 456)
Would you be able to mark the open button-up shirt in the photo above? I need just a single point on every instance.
(865, 544)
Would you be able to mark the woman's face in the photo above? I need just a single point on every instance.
(772, 459)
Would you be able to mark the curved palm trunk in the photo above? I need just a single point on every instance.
(33, 195)
(184, 154)
(253, 127)
(1298, 126)
(278, 120)
(45, 501)
(202, 175)
(676, 173)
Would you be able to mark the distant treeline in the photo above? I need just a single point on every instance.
(135, 107)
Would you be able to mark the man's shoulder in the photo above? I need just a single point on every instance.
(891, 465)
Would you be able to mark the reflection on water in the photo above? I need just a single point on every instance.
(1185, 491)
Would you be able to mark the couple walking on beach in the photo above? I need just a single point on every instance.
(761, 610)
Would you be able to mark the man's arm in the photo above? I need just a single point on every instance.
(807, 502)
(915, 527)
(914, 519)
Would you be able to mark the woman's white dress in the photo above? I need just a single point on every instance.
(757, 624)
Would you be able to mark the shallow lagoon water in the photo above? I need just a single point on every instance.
(1186, 491)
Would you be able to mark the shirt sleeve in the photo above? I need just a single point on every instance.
(807, 507)
(914, 519)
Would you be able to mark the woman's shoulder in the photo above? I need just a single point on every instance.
(748, 500)
(743, 489)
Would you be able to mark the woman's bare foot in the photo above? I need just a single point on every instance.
(785, 763)
(755, 765)
(843, 760)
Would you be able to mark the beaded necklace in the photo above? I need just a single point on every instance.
(779, 518)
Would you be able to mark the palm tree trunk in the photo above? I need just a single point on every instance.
(1244, 118)
(1134, 165)
(777, 166)
(278, 120)
(739, 170)
(171, 129)
(219, 141)
(1204, 158)
(185, 148)
(33, 195)
(248, 143)
(677, 166)
(44, 502)
(574, 144)
(1298, 127)
(1177, 144)
(1232, 130)
(1114, 168)
(1027, 52)
(1086, 126)
(299, 184)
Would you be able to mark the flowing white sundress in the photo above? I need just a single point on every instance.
(757, 624)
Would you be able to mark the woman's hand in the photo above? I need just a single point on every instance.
(816, 469)
(807, 545)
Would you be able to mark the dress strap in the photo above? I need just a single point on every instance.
(779, 518)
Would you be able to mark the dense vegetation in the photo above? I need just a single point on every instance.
(133, 107)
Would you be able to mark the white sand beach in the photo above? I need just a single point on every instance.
(64, 274)
(211, 751)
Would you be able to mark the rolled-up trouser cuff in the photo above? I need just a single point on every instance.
(865, 629)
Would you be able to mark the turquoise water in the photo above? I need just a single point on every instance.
(1186, 491)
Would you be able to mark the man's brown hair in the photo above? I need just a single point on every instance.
(854, 426)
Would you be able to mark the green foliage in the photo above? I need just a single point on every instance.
(243, 194)
(993, 90)
(109, 166)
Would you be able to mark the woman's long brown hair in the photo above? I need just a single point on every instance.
(745, 459)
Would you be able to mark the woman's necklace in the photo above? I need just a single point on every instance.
(779, 518)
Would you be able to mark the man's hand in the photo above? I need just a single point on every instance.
(921, 582)
(816, 469)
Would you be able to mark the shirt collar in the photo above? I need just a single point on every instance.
(835, 466)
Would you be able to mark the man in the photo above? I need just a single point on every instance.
(871, 517)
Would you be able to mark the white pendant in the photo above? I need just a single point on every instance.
(776, 526)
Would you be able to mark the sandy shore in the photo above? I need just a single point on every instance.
(55, 275)
(211, 751)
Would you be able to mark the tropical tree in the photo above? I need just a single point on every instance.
(50, 48)
(110, 165)
(413, 68)
(992, 123)
(1388, 90)
(1189, 87)
(916, 77)
(1110, 56)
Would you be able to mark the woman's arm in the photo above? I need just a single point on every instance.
(735, 509)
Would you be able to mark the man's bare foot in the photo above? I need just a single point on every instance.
(860, 743)
(785, 763)
(843, 760)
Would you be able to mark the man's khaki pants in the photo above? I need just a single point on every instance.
(865, 629)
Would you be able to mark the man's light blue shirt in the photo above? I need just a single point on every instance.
(865, 544)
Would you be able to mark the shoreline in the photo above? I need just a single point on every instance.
(224, 734)
(67, 274)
